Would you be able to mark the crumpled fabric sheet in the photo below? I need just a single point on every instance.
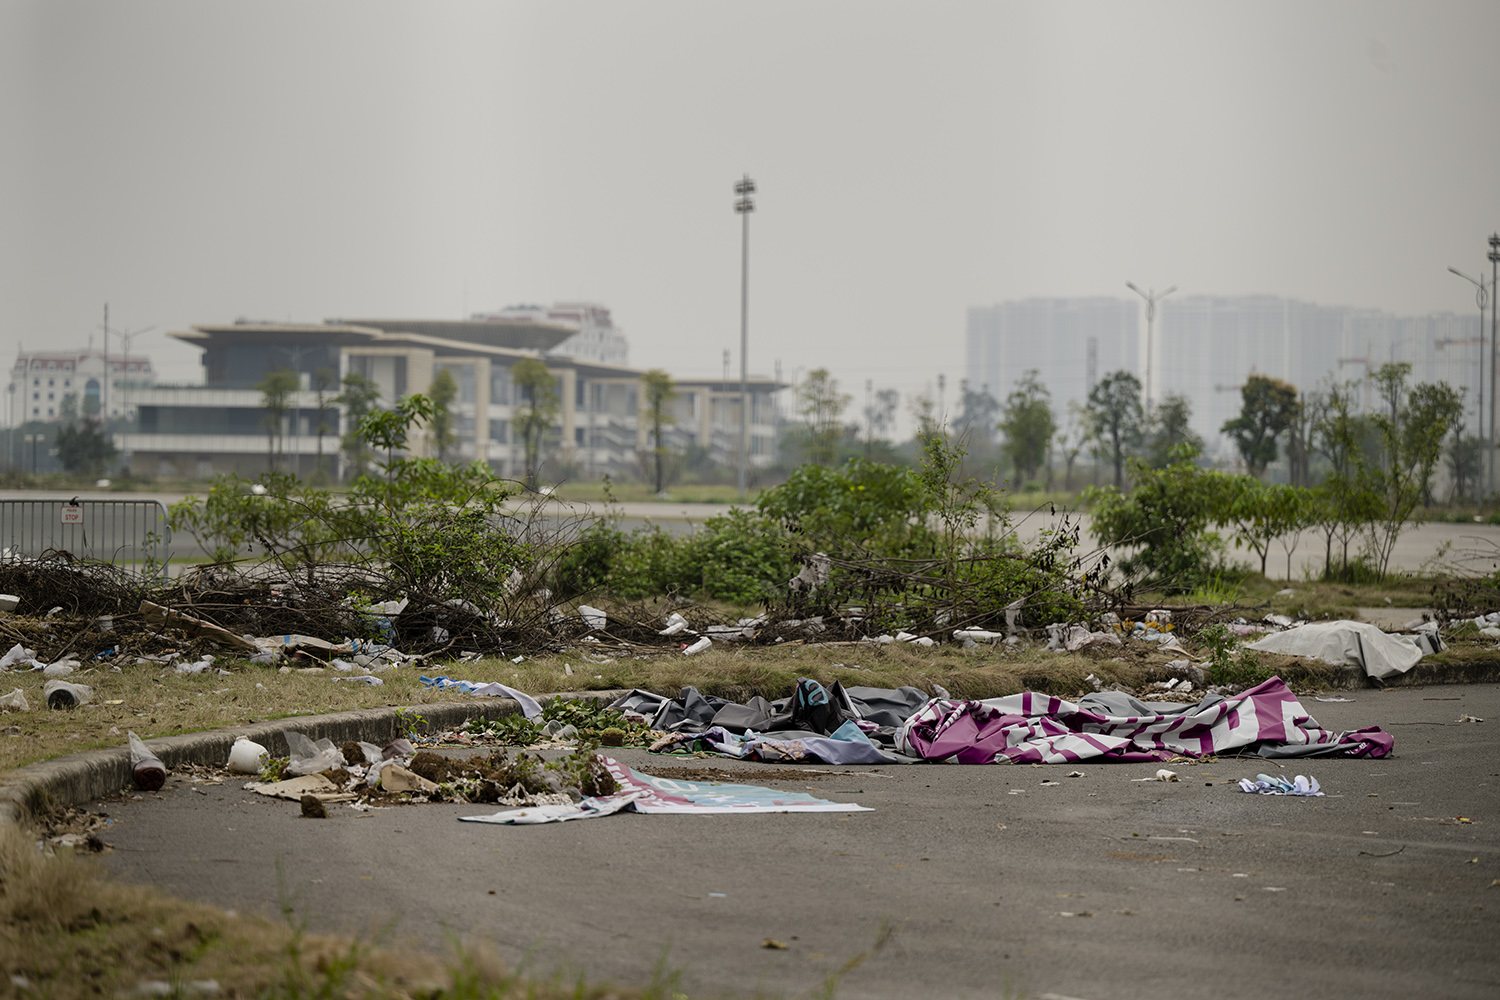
(845, 745)
(1356, 644)
(1266, 720)
(646, 793)
(811, 708)
(529, 706)
(1266, 784)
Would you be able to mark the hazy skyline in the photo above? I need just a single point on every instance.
(194, 163)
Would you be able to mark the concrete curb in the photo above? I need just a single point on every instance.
(95, 774)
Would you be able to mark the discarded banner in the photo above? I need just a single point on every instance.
(645, 793)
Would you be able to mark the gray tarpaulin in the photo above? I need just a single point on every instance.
(1358, 644)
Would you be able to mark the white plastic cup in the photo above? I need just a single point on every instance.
(246, 756)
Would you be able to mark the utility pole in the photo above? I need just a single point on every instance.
(744, 205)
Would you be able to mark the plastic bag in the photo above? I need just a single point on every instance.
(309, 757)
(15, 701)
(16, 655)
(149, 772)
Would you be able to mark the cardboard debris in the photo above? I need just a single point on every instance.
(309, 784)
(395, 778)
(159, 616)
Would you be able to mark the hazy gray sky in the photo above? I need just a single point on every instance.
(193, 163)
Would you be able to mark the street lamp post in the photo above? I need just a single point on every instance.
(744, 205)
(1152, 298)
(1494, 256)
(1481, 296)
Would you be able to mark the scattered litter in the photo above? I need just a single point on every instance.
(15, 701)
(310, 757)
(16, 654)
(1334, 699)
(1469, 718)
(369, 679)
(774, 944)
(308, 784)
(529, 706)
(9, 602)
(647, 794)
(1076, 774)
(1387, 854)
(62, 694)
(698, 646)
(1358, 644)
(395, 778)
(61, 668)
(1047, 783)
(675, 623)
(592, 617)
(160, 616)
(1265, 784)
(146, 768)
(247, 756)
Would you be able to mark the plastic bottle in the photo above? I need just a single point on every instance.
(149, 772)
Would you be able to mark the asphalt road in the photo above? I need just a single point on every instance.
(1099, 887)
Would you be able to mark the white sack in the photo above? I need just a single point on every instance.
(1357, 644)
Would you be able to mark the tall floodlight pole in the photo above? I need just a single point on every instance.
(1152, 298)
(743, 205)
(1494, 256)
(1481, 296)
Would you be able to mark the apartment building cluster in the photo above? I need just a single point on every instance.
(1205, 346)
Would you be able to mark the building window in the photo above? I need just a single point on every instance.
(51, 382)
(36, 381)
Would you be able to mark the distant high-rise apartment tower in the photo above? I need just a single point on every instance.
(1072, 343)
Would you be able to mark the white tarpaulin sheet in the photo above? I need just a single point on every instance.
(1358, 644)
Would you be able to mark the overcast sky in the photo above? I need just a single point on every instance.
(194, 163)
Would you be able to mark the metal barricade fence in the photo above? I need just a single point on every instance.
(131, 533)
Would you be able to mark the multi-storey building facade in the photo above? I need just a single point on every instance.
(41, 380)
(221, 425)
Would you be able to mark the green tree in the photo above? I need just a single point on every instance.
(821, 405)
(659, 393)
(880, 416)
(1269, 406)
(83, 446)
(358, 399)
(1028, 425)
(1413, 444)
(1165, 521)
(1168, 427)
(1260, 514)
(537, 410)
(1465, 462)
(276, 395)
(979, 411)
(443, 392)
(1115, 419)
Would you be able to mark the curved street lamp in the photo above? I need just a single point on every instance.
(1152, 298)
(1481, 298)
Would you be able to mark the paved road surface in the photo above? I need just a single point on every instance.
(1098, 888)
